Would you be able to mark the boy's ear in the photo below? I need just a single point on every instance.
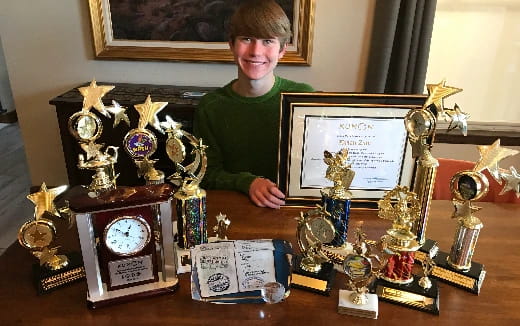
(282, 51)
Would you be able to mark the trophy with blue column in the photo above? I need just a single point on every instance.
(336, 199)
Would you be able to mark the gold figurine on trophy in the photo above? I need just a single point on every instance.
(87, 127)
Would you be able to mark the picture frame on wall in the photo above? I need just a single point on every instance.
(185, 30)
(370, 126)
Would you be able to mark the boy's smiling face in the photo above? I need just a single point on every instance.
(256, 58)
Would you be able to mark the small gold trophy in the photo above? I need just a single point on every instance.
(38, 235)
(87, 127)
(457, 267)
(336, 199)
(190, 198)
(141, 143)
(313, 270)
(360, 270)
(396, 283)
(222, 226)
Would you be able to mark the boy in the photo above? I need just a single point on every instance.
(240, 121)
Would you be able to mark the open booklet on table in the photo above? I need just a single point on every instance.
(235, 271)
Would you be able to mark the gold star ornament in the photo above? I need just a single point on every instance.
(437, 93)
(512, 182)
(148, 113)
(44, 200)
(490, 156)
(92, 95)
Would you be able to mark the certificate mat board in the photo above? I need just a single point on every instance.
(370, 126)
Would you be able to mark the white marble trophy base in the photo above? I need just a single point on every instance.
(346, 307)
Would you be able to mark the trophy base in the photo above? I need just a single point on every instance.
(320, 282)
(183, 257)
(470, 280)
(429, 248)
(410, 295)
(347, 307)
(47, 280)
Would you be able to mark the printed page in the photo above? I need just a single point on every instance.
(215, 263)
(255, 264)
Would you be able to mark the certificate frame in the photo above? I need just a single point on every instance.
(297, 109)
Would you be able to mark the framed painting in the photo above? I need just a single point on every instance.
(185, 30)
(370, 126)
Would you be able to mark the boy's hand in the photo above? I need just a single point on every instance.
(264, 193)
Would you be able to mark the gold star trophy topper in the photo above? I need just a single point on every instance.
(512, 182)
(437, 93)
(92, 95)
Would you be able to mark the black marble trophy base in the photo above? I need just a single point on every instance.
(320, 282)
(47, 280)
(470, 281)
(410, 295)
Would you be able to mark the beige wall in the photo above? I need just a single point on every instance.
(48, 50)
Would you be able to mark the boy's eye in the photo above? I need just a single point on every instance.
(246, 39)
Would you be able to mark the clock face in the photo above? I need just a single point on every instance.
(127, 235)
(322, 229)
(85, 126)
(37, 234)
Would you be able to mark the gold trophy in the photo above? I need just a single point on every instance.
(38, 235)
(457, 268)
(190, 198)
(421, 124)
(141, 143)
(360, 269)
(336, 199)
(313, 270)
(222, 226)
(87, 127)
(396, 283)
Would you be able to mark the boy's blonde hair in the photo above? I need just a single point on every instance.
(261, 19)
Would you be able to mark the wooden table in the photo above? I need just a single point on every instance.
(497, 248)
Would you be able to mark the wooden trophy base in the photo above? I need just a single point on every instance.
(47, 280)
(347, 307)
(320, 282)
(410, 295)
(470, 280)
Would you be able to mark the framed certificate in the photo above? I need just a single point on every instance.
(370, 126)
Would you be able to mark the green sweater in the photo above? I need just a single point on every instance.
(241, 134)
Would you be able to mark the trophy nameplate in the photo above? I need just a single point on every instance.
(126, 238)
(53, 270)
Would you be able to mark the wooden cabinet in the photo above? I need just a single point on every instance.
(182, 101)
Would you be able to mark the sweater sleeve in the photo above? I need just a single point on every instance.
(216, 176)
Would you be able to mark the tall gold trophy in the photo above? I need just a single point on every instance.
(457, 267)
(421, 124)
(190, 198)
(336, 199)
(39, 235)
(397, 284)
